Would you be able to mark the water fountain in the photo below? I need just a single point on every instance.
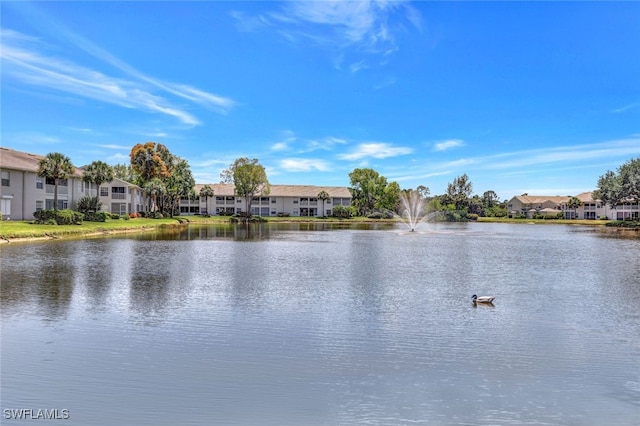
(412, 210)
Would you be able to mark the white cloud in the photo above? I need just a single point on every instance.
(279, 146)
(24, 61)
(114, 146)
(375, 150)
(304, 165)
(362, 27)
(447, 144)
(626, 108)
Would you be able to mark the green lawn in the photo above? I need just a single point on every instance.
(544, 221)
(26, 229)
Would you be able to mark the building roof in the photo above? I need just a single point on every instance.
(540, 199)
(586, 197)
(17, 160)
(225, 189)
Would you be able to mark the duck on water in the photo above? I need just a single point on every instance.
(482, 299)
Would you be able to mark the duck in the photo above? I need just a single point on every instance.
(482, 299)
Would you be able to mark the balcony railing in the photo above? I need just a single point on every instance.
(118, 196)
(62, 190)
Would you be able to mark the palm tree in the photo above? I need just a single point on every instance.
(98, 172)
(323, 195)
(154, 188)
(206, 192)
(55, 166)
(574, 203)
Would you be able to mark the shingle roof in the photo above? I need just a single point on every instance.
(224, 189)
(539, 199)
(23, 161)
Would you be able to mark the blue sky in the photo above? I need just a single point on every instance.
(537, 97)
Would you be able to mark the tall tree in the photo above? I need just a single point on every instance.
(179, 184)
(151, 160)
(323, 196)
(574, 203)
(206, 192)
(155, 189)
(98, 172)
(490, 199)
(459, 191)
(370, 191)
(55, 166)
(249, 179)
(124, 172)
(620, 187)
(423, 191)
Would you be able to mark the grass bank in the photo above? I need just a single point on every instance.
(589, 222)
(21, 229)
(17, 230)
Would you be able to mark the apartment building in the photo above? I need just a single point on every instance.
(291, 200)
(23, 192)
(534, 205)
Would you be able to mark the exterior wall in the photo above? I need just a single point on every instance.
(27, 193)
(263, 206)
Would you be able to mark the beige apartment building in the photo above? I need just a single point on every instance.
(532, 205)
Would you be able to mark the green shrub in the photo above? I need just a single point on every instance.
(114, 216)
(343, 212)
(96, 216)
(125, 217)
(59, 217)
(88, 204)
(473, 216)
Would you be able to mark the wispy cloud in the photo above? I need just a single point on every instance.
(447, 144)
(364, 26)
(375, 150)
(114, 146)
(304, 165)
(538, 163)
(24, 60)
(626, 108)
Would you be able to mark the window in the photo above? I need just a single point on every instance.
(39, 183)
(273, 201)
(39, 205)
(104, 191)
(5, 179)
(62, 204)
(61, 182)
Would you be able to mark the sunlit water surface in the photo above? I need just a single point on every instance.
(325, 326)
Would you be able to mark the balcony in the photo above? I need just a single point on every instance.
(62, 190)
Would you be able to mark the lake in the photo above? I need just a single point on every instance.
(324, 325)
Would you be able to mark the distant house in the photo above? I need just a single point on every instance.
(291, 200)
(530, 206)
(23, 192)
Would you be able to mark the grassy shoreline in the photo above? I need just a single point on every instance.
(11, 231)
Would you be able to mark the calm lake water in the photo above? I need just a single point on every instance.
(321, 325)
